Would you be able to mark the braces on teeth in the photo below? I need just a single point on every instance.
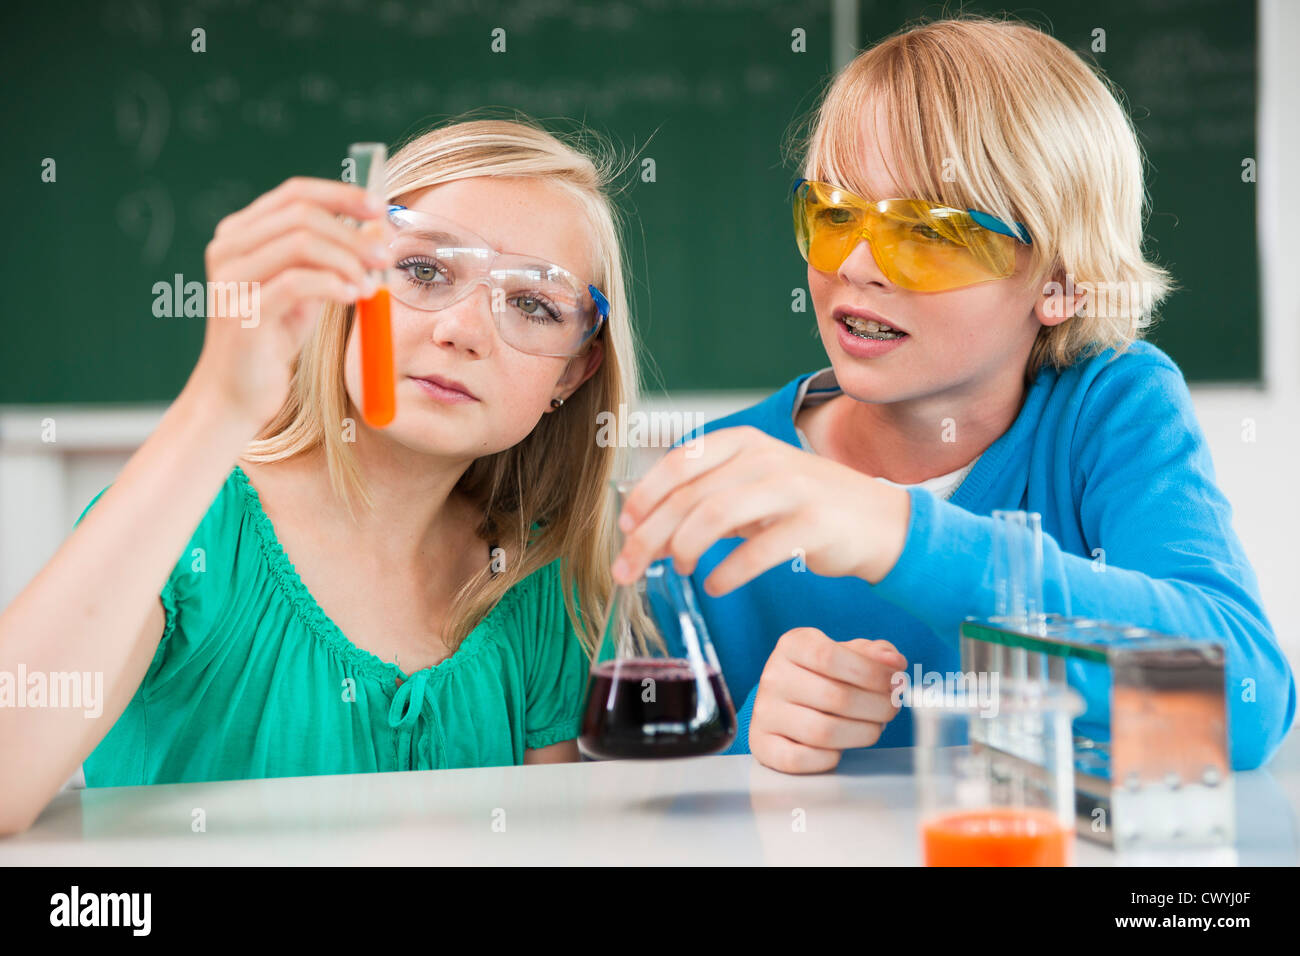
(870, 328)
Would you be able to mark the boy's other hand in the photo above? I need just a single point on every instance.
(818, 697)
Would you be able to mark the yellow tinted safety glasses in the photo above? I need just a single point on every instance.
(919, 245)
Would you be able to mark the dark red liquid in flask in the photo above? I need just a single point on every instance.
(656, 708)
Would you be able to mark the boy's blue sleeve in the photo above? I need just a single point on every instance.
(741, 744)
(1149, 508)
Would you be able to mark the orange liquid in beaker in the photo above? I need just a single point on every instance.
(378, 403)
(997, 836)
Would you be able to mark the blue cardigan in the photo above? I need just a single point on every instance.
(1109, 452)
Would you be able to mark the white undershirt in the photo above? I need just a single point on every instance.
(821, 387)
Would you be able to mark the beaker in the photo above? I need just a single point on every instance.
(994, 766)
(656, 689)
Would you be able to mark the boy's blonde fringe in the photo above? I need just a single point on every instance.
(1034, 134)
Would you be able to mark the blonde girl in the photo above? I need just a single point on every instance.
(346, 598)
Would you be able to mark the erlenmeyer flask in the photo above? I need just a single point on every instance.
(656, 689)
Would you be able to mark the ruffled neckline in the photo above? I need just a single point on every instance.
(323, 627)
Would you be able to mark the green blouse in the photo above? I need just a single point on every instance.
(253, 679)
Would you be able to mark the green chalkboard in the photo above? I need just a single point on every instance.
(153, 143)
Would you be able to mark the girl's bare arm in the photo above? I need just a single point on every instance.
(94, 608)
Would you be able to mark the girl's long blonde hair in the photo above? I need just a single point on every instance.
(995, 115)
(557, 477)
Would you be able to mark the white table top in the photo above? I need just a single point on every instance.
(709, 810)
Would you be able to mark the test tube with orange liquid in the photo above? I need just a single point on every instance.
(374, 313)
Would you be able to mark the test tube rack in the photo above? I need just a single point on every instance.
(1152, 772)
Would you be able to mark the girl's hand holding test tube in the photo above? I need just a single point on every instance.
(290, 243)
(288, 255)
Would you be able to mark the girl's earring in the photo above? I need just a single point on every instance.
(556, 402)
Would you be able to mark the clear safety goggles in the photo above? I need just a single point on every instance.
(539, 307)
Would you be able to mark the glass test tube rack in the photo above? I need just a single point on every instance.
(1152, 771)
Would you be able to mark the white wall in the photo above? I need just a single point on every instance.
(44, 486)
(1259, 477)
